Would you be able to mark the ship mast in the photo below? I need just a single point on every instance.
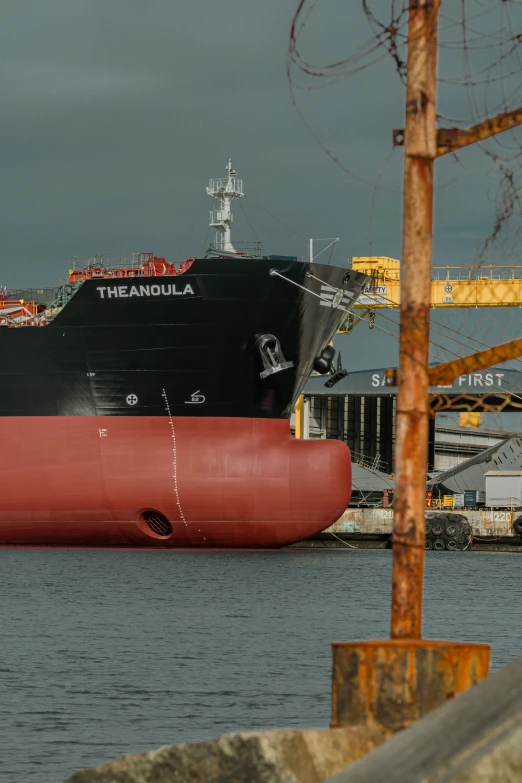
(225, 191)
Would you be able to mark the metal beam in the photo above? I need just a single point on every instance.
(306, 418)
(447, 371)
(453, 139)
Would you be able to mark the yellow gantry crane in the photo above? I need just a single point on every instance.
(451, 286)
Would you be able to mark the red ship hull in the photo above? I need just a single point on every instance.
(221, 482)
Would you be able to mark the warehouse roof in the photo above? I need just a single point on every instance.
(366, 383)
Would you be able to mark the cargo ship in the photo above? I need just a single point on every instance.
(147, 403)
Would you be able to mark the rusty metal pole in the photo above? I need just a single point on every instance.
(420, 147)
(393, 682)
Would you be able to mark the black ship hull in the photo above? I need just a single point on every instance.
(97, 407)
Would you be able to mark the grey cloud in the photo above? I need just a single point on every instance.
(116, 112)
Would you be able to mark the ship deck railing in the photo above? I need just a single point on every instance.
(132, 261)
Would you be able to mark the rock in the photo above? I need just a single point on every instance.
(281, 756)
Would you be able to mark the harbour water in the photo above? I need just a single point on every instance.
(111, 652)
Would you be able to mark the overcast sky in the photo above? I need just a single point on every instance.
(115, 113)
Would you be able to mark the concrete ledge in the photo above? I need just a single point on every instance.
(281, 756)
(474, 738)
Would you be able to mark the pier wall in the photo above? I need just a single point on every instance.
(379, 521)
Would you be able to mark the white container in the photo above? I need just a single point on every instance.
(458, 500)
(503, 488)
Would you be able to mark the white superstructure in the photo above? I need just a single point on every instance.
(225, 191)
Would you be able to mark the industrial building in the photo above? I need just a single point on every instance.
(359, 407)
(360, 410)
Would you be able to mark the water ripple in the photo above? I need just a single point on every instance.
(110, 652)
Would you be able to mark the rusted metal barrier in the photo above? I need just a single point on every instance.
(394, 682)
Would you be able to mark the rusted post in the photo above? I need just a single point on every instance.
(420, 147)
(393, 682)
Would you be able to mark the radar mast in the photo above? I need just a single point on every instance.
(224, 190)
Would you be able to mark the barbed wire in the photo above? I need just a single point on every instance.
(488, 45)
(369, 53)
(480, 60)
(372, 51)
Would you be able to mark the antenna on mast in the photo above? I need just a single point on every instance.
(225, 190)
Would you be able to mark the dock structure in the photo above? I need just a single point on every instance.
(372, 528)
